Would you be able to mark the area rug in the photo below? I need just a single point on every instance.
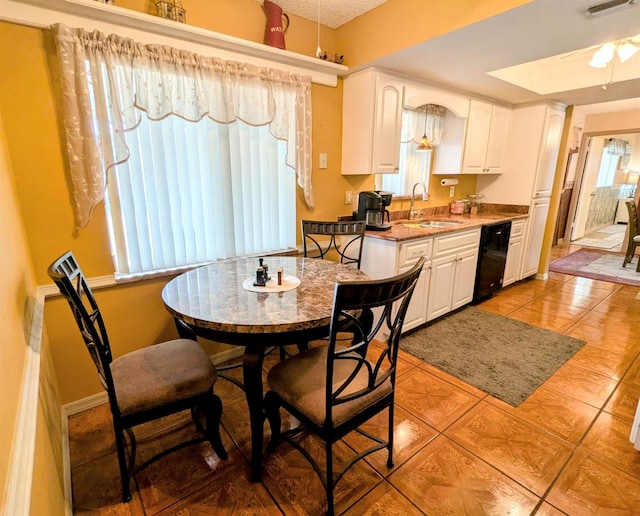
(600, 265)
(506, 358)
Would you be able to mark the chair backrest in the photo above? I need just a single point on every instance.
(68, 276)
(633, 219)
(366, 308)
(345, 239)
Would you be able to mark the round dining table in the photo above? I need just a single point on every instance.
(220, 302)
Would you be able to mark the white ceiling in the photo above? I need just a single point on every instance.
(555, 31)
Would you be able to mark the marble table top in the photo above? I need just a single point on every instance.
(212, 296)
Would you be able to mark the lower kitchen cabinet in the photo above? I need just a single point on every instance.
(447, 278)
(417, 311)
(514, 255)
(383, 258)
(453, 275)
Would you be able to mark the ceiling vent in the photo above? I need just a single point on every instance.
(607, 7)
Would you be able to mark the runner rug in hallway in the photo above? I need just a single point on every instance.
(506, 358)
(600, 265)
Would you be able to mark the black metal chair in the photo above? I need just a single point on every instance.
(345, 239)
(145, 384)
(633, 238)
(333, 389)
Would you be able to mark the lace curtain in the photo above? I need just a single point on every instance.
(109, 81)
(415, 121)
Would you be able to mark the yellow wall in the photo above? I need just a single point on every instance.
(17, 300)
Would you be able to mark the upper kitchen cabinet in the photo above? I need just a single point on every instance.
(447, 153)
(371, 123)
(486, 138)
(533, 143)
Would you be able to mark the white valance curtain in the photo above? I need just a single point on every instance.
(108, 81)
(427, 120)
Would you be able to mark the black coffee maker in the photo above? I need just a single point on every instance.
(372, 208)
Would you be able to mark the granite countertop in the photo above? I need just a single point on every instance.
(196, 296)
(408, 230)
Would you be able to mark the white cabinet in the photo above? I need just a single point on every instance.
(384, 258)
(513, 263)
(453, 271)
(486, 138)
(371, 123)
(533, 245)
(548, 153)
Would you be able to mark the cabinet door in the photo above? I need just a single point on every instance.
(511, 266)
(387, 127)
(465, 276)
(549, 153)
(513, 263)
(417, 310)
(442, 276)
(537, 223)
(477, 137)
(497, 143)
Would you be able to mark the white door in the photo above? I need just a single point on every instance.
(475, 144)
(387, 126)
(537, 223)
(595, 147)
(417, 311)
(497, 144)
(442, 276)
(513, 260)
(465, 277)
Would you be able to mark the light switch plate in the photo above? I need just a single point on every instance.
(323, 160)
(348, 197)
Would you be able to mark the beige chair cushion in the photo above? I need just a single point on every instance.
(301, 380)
(156, 375)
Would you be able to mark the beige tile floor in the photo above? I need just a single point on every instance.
(565, 450)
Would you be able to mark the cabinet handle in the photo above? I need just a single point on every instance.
(416, 254)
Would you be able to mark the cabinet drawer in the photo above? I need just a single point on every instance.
(517, 228)
(411, 251)
(454, 241)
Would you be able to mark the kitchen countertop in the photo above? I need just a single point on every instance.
(400, 232)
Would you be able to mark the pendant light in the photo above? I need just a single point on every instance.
(424, 145)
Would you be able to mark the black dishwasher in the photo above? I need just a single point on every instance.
(494, 244)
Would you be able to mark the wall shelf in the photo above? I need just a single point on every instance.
(148, 28)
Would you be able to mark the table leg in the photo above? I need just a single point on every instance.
(252, 375)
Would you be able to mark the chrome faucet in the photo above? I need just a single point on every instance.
(413, 214)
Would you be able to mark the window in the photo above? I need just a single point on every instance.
(195, 192)
(608, 167)
(197, 158)
(413, 168)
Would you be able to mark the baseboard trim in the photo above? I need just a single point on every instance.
(20, 478)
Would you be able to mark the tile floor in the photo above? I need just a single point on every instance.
(565, 450)
(610, 238)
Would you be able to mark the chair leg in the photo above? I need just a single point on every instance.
(213, 414)
(122, 463)
(272, 411)
(390, 439)
(329, 453)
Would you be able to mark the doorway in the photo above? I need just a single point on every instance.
(605, 175)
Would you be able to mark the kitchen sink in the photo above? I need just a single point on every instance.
(434, 224)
